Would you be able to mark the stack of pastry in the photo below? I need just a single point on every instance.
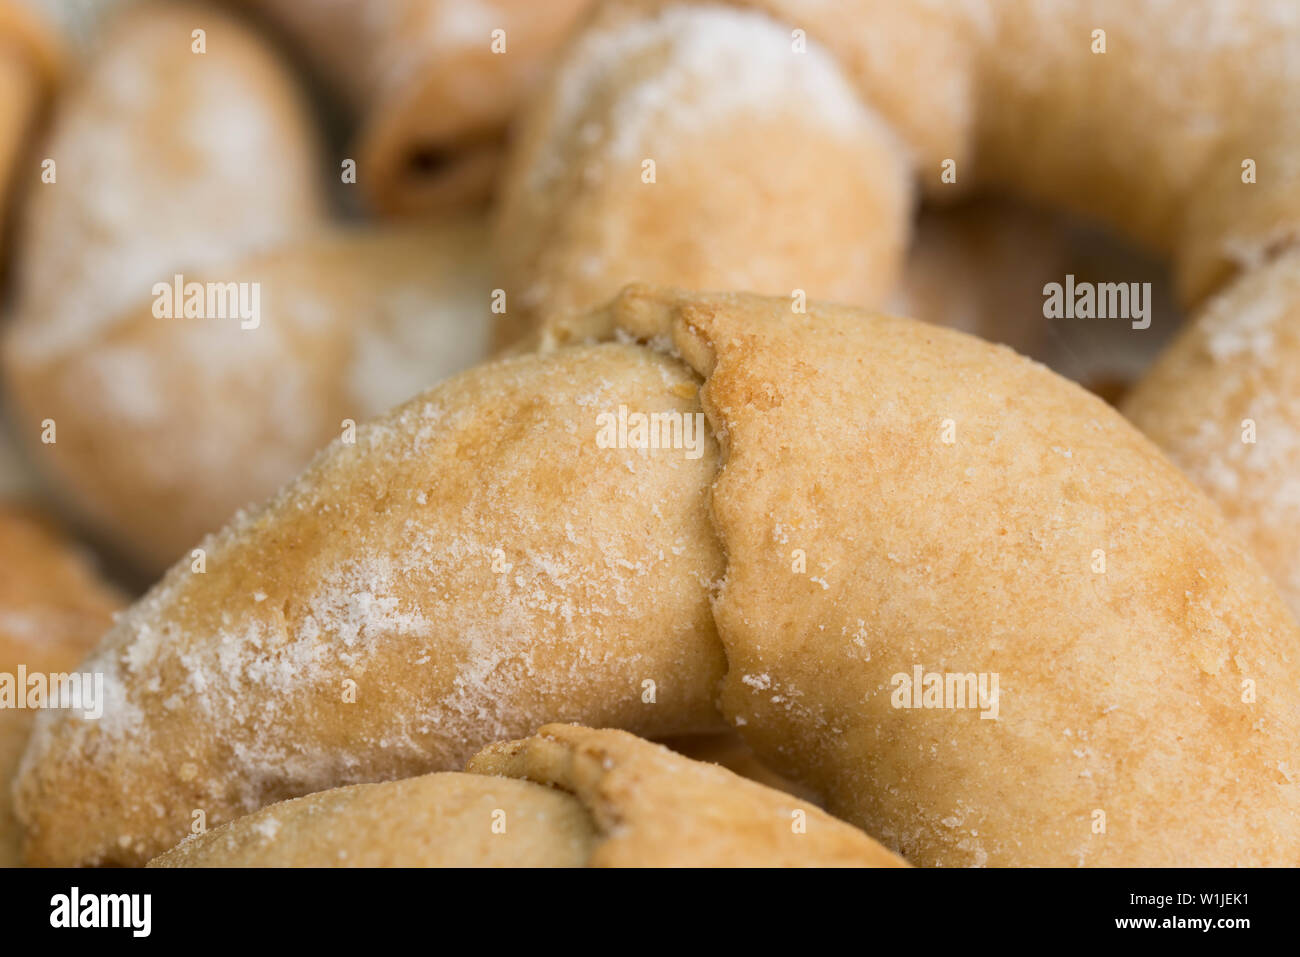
(926, 599)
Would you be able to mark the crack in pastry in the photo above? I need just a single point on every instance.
(654, 808)
(1123, 691)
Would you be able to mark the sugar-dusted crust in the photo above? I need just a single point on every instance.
(860, 544)
(53, 607)
(437, 820)
(655, 808)
(166, 162)
(473, 566)
(148, 129)
(169, 422)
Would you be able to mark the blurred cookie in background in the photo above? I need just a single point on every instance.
(431, 86)
(31, 65)
(167, 424)
(189, 325)
(53, 608)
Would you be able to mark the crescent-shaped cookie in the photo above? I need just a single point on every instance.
(568, 796)
(139, 138)
(1138, 115)
(474, 565)
(893, 502)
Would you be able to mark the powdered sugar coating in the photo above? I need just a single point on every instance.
(473, 566)
(696, 66)
(165, 160)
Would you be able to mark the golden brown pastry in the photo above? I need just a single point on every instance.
(568, 796)
(888, 496)
(168, 425)
(473, 566)
(1145, 127)
(53, 607)
(432, 82)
